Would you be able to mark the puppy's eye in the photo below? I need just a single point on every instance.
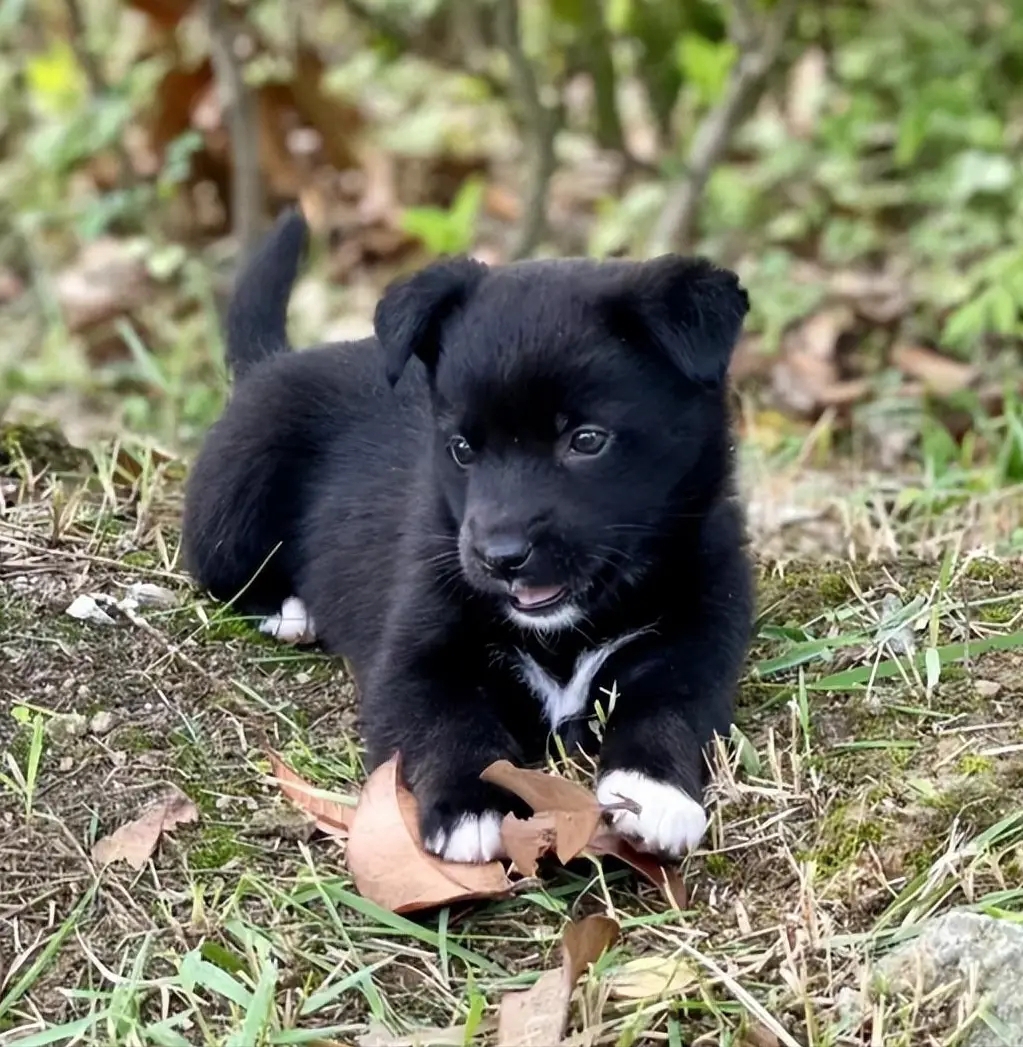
(461, 450)
(588, 441)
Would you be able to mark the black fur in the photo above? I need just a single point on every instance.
(329, 477)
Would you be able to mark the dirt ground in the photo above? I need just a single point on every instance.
(876, 779)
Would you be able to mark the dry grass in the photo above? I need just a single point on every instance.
(877, 780)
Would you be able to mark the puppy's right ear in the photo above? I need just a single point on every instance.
(410, 316)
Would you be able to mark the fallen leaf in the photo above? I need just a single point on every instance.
(107, 279)
(526, 840)
(538, 1015)
(939, 374)
(136, 841)
(651, 976)
(329, 815)
(668, 878)
(806, 377)
(574, 810)
(759, 1036)
(387, 860)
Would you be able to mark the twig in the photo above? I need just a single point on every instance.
(240, 113)
(540, 125)
(758, 53)
(595, 50)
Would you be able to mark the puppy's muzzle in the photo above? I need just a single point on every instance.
(503, 556)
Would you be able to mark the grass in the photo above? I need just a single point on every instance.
(873, 784)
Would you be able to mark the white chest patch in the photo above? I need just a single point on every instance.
(563, 701)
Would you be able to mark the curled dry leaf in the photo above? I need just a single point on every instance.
(526, 840)
(668, 878)
(806, 378)
(564, 810)
(939, 374)
(136, 841)
(568, 821)
(387, 860)
(538, 1015)
(331, 816)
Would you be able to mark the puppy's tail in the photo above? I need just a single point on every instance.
(257, 317)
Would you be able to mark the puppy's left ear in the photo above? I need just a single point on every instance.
(688, 308)
(410, 316)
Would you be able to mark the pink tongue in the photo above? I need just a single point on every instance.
(526, 597)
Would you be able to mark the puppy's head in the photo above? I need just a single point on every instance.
(580, 416)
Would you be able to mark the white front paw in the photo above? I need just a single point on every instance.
(668, 821)
(473, 838)
(294, 624)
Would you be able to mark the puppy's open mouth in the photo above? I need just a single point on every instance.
(537, 599)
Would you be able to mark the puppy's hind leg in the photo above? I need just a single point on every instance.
(292, 624)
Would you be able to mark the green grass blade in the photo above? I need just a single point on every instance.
(953, 652)
(24, 983)
(258, 1010)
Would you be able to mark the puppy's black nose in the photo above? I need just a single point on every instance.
(503, 555)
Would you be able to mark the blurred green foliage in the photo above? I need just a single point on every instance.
(889, 140)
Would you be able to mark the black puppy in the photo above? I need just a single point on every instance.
(515, 501)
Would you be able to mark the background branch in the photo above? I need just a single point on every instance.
(758, 53)
(540, 125)
(240, 116)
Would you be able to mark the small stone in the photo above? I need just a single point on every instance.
(302, 677)
(987, 688)
(146, 594)
(981, 955)
(119, 757)
(66, 763)
(102, 722)
(85, 608)
(283, 822)
(66, 727)
(84, 691)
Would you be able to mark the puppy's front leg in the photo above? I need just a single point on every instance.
(674, 695)
(437, 713)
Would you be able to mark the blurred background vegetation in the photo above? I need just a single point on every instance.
(857, 161)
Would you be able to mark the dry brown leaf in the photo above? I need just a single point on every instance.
(574, 809)
(107, 279)
(538, 1015)
(939, 374)
(330, 816)
(666, 877)
(759, 1036)
(527, 839)
(806, 378)
(135, 841)
(387, 860)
